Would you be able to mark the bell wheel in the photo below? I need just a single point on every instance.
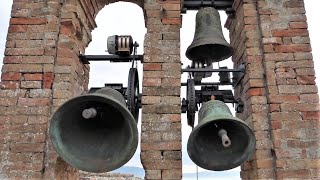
(133, 93)
(192, 104)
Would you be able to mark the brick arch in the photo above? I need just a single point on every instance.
(74, 36)
(42, 70)
(102, 3)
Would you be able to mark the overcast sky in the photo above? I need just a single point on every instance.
(112, 20)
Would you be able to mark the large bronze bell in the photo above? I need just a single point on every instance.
(209, 44)
(220, 141)
(95, 132)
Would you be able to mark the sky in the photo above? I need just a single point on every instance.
(132, 23)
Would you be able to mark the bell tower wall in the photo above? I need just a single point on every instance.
(279, 90)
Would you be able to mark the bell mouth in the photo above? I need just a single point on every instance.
(99, 144)
(209, 53)
(205, 147)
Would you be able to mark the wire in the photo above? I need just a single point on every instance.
(197, 172)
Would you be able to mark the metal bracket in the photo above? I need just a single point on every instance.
(225, 5)
(211, 89)
(237, 75)
(112, 58)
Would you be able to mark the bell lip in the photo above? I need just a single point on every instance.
(207, 42)
(245, 157)
(125, 112)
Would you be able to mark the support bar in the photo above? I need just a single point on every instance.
(211, 70)
(112, 58)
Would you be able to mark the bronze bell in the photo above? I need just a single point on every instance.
(209, 44)
(95, 132)
(220, 141)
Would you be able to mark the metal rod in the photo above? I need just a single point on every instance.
(112, 58)
(220, 5)
(210, 70)
(226, 142)
(89, 113)
(210, 84)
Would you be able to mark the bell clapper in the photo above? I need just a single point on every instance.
(226, 142)
(89, 113)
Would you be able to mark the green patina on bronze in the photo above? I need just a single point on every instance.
(102, 143)
(205, 146)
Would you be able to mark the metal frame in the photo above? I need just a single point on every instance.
(193, 99)
(225, 5)
(133, 100)
(237, 75)
(112, 58)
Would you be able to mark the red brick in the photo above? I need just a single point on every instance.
(264, 163)
(33, 77)
(48, 80)
(284, 98)
(171, 7)
(175, 145)
(172, 174)
(279, 57)
(255, 92)
(151, 82)
(290, 33)
(152, 66)
(8, 101)
(11, 76)
(33, 101)
(24, 51)
(37, 119)
(31, 84)
(28, 59)
(309, 98)
(31, 68)
(17, 29)
(171, 117)
(153, 174)
(162, 164)
(293, 48)
(293, 4)
(161, 126)
(250, 20)
(311, 115)
(285, 116)
(34, 21)
(298, 25)
(173, 82)
(276, 125)
(151, 137)
(151, 99)
(300, 107)
(151, 155)
(272, 40)
(274, 108)
(66, 53)
(26, 167)
(30, 147)
(9, 85)
(173, 155)
(176, 21)
(306, 80)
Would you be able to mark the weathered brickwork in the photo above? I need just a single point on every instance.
(279, 91)
(161, 119)
(42, 70)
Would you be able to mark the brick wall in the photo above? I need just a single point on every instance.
(161, 111)
(42, 70)
(279, 91)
